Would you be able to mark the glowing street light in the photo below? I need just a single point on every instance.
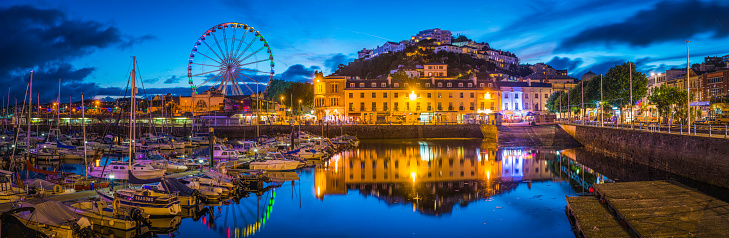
(413, 96)
(412, 174)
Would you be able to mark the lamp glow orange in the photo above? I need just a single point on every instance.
(413, 96)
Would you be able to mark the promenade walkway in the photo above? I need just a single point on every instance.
(712, 131)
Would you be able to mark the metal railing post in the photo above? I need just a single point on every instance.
(725, 132)
(694, 129)
(709, 130)
(681, 129)
(669, 129)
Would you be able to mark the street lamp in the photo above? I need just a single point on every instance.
(413, 96)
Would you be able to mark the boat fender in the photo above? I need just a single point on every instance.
(57, 189)
(111, 222)
(83, 222)
(115, 205)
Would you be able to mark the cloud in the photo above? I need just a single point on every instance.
(44, 40)
(150, 81)
(333, 62)
(666, 21)
(171, 80)
(299, 73)
(565, 63)
(130, 41)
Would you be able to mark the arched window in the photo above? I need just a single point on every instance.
(201, 104)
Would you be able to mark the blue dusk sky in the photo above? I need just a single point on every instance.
(89, 44)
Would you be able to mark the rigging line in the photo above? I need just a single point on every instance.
(211, 50)
(225, 42)
(252, 54)
(246, 49)
(195, 75)
(218, 44)
(255, 62)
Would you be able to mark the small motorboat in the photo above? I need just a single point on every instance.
(55, 219)
(81, 183)
(152, 203)
(102, 214)
(119, 171)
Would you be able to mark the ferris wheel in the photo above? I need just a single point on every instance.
(229, 55)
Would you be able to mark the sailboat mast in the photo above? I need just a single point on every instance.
(30, 108)
(83, 125)
(58, 110)
(131, 114)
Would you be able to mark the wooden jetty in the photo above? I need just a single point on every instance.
(650, 209)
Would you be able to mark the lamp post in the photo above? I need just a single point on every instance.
(413, 97)
(282, 104)
(688, 95)
(299, 113)
(631, 95)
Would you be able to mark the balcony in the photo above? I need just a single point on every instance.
(440, 108)
(450, 108)
(460, 108)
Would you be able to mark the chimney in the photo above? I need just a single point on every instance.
(529, 80)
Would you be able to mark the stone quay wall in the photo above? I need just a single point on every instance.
(361, 131)
(699, 158)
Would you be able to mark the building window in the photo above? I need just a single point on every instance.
(374, 106)
(483, 106)
(407, 106)
(374, 85)
(335, 88)
(361, 85)
(440, 106)
(429, 95)
(470, 85)
(491, 85)
(526, 106)
(506, 95)
(351, 85)
(480, 85)
(396, 108)
(384, 95)
(460, 85)
(492, 105)
(417, 85)
(450, 85)
(417, 106)
(384, 106)
(450, 95)
(536, 106)
(526, 96)
(361, 95)
(351, 95)
(461, 95)
(406, 85)
(450, 106)
(460, 106)
(473, 105)
(506, 106)
(516, 96)
(440, 85)
(516, 106)
(394, 95)
(396, 85)
(351, 106)
(473, 95)
(374, 95)
(546, 95)
(361, 106)
(427, 85)
(536, 95)
(332, 102)
(382, 85)
(429, 107)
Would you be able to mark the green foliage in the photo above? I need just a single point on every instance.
(551, 105)
(276, 89)
(299, 91)
(524, 70)
(670, 102)
(615, 90)
(460, 38)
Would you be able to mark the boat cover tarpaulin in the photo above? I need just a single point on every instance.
(293, 152)
(136, 180)
(54, 213)
(40, 183)
(61, 145)
(174, 185)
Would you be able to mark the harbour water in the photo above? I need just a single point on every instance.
(419, 188)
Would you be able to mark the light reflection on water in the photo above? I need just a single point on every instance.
(396, 188)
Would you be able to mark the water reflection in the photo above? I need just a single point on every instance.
(434, 176)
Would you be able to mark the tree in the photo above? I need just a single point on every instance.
(276, 89)
(670, 102)
(616, 85)
(300, 91)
